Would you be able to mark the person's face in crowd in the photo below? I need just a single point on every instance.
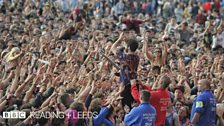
(28, 57)
(203, 61)
(62, 67)
(219, 30)
(135, 4)
(131, 33)
(130, 17)
(70, 98)
(221, 84)
(90, 66)
(86, 45)
(182, 112)
(52, 45)
(178, 105)
(178, 94)
(164, 70)
(155, 72)
(107, 11)
(144, 72)
(10, 44)
(201, 86)
(4, 33)
(184, 27)
(173, 21)
(157, 53)
(209, 12)
(59, 45)
(47, 7)
(121, 114)
(216, 93)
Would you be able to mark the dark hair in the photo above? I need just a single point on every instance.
(62, 62)
(178, 101)
(165, 81)
(111, 109)
(71, 91)
(58, 121)
(42, 121)
(145, 95)
(63, 99)
(132, 44)
(156, 68)
(78, 106)
(185, 24)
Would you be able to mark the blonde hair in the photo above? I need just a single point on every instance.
(11, 53)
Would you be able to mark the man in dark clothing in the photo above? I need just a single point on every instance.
(129, 64)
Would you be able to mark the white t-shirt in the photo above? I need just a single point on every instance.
(170, 29)
(218, 40)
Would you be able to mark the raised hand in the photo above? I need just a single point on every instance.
(126, 109)
(93, 88)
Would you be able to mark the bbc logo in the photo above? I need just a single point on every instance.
(14, 115)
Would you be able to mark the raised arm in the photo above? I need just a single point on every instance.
(6, 81)
(145, 50)
(88, 57)
(16, 80)
(207, 24)
(164, 53)
(15, 57)
(30, 91)
(20, 89)
(134, 91)
(114, 46)
(82, 95)
(178, 26)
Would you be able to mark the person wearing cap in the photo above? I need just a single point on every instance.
(144, 114)
(204, 107)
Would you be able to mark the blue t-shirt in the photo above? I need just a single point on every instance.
(143, 115)
(205, 104)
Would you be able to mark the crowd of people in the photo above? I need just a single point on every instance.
(131, 62)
